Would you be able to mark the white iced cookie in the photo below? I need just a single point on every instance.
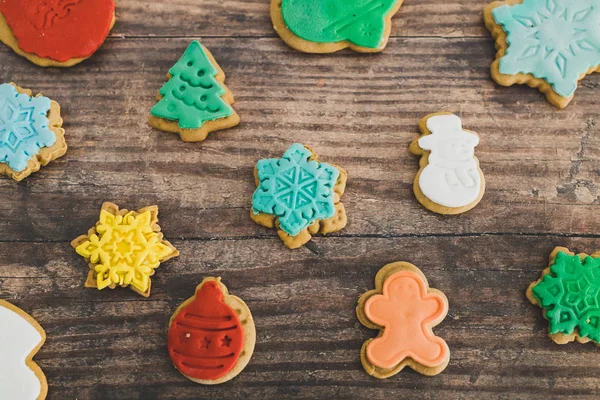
(449, 180)
(20, 339)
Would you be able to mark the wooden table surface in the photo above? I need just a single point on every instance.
(358, 111)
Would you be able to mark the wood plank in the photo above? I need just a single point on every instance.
(540, 164)
(112, 344)
(250, 18)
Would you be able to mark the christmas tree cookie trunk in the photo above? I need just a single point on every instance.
(299, 196)
(31, 133)
(326, 26)
(55, 33)
(546, 44)
(211, 335)
(567, 293)
(195, 100)
(405, 310)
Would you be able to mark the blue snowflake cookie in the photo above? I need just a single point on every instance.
(556, 41)
(297, 190)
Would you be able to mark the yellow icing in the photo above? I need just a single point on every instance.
(126, 250)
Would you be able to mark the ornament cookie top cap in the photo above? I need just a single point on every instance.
(449, 180)
(567, 293)
(326, 26)
(405, 310)
(58, 33)
(299, 195)
(20, 339)
(211, 335)
(547, 44)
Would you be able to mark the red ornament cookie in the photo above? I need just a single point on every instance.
(57, 33)
(211, 335)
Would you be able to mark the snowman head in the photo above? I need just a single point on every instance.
(448, 140)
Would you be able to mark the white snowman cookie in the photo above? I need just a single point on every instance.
(20, 339)
(449, 180)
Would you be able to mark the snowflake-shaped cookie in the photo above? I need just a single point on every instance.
(298, 191)
(30, 132)
(124, 248)
(555, 43)
(569, 294)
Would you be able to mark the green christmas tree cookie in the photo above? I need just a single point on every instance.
(194, 101)
(569, 294)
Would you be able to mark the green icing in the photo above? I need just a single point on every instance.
(192, 96)
(361, 22)
(570, 295)
(554, 40)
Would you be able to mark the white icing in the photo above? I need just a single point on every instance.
(18, 338)
(451, 178)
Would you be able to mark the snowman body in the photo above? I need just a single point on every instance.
(452, 177)
(18, 340)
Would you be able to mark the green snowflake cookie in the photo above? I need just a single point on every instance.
(569, 294)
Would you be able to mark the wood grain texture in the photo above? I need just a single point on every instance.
(357, 111)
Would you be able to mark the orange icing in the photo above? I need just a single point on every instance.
(406, 311)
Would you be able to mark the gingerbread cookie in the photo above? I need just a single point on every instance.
(211, 335)
(327, 26)
(547, 44)
(404, 309)
(567, 293)
(195, 100)
(21, 337)
(299, 196)
(55, 33)
(449, 180)
(124, 248)
(31, 133)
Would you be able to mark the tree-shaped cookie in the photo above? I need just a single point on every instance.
(124, 248)
(211, 335)
(405, 310)
(194, 101)
(298, 195)
(569, 294)
(326, 26)
(20, 339)
(547, 44)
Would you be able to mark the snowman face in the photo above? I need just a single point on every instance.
(455, 150)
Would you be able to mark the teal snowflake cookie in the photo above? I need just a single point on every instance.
(547, 44)
(30, 132)
(298, 195)
(194, 101)
(569, 294)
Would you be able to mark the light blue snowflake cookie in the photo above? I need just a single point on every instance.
(547, 44)
(30, 132)
(299, 195)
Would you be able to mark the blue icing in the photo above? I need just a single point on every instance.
(24, 127)
(294, 189)
(554, 40)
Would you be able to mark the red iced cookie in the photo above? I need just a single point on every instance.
(58, 30)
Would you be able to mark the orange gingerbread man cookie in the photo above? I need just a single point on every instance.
(404, 309)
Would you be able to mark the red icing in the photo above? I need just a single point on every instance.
(59, 29)
(206, 336)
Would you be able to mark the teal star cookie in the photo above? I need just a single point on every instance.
(548, 44)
